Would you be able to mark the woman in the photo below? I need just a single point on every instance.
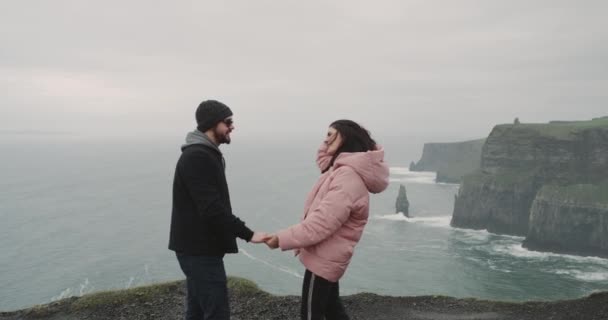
(335, 213)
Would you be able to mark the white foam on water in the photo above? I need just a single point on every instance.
(433, 247)
(517, 250)
(592, 276)
(473, 235)
(484, 235)
(146, 272)
(392, 217)
(588, 276)
(437, 221)
(399, 170)
(511, 246)
(562, 271)
(84, 288)
(130, 282)
(399, 174)
(494, 267)
(141, 279)
(279, 268)
(475, 260)
(448, 184)
(64, 294)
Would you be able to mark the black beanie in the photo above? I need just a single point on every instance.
(209, 113)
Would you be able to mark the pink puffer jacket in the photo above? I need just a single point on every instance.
(336, 211)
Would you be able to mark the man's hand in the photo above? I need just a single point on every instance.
(259, 237)
(273, 241)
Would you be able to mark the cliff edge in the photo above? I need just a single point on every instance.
(248, 302)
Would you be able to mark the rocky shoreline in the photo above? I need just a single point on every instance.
(248, 302)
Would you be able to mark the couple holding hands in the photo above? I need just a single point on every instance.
(204, 229)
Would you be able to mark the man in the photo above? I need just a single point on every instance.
(203, 227)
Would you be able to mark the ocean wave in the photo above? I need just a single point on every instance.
(138, 280)
(484, 234)
(494, 267)
(475, 236)
(475, 260)
(588, 276)
(62, 295)
(279, 268)
(488, 263)
(399, 170)
(84, 288)
(517, 250)
(399, 174)
(437, 221)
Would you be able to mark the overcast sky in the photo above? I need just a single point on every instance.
(448, 68)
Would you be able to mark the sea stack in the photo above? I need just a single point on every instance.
(402, 205)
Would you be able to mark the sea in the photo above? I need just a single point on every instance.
(81, 214)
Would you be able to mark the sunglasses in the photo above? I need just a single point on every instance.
(228, 122)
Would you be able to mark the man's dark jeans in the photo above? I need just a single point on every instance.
(207, 297)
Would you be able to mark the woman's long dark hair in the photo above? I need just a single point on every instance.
(355, 138)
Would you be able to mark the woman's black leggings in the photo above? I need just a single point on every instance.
(321, 299)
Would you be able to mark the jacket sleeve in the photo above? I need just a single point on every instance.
(199, 174)
(324, 220)
(323, 159)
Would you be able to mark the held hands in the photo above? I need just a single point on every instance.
(271, 240)
(259, 237)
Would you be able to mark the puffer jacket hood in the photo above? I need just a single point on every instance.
(369, 166)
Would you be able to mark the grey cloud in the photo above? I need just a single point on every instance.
(402, 66)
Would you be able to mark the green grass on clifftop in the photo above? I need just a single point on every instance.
(121, 297)
(146, 293)
(562, 129)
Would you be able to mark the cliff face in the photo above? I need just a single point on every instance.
(570, 219)
(494, 203)
(516, 162)
(451, 161)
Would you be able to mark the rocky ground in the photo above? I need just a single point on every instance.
(166, 301)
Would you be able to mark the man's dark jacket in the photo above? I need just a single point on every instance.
(202, 222)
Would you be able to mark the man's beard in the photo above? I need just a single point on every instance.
(222, 137)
